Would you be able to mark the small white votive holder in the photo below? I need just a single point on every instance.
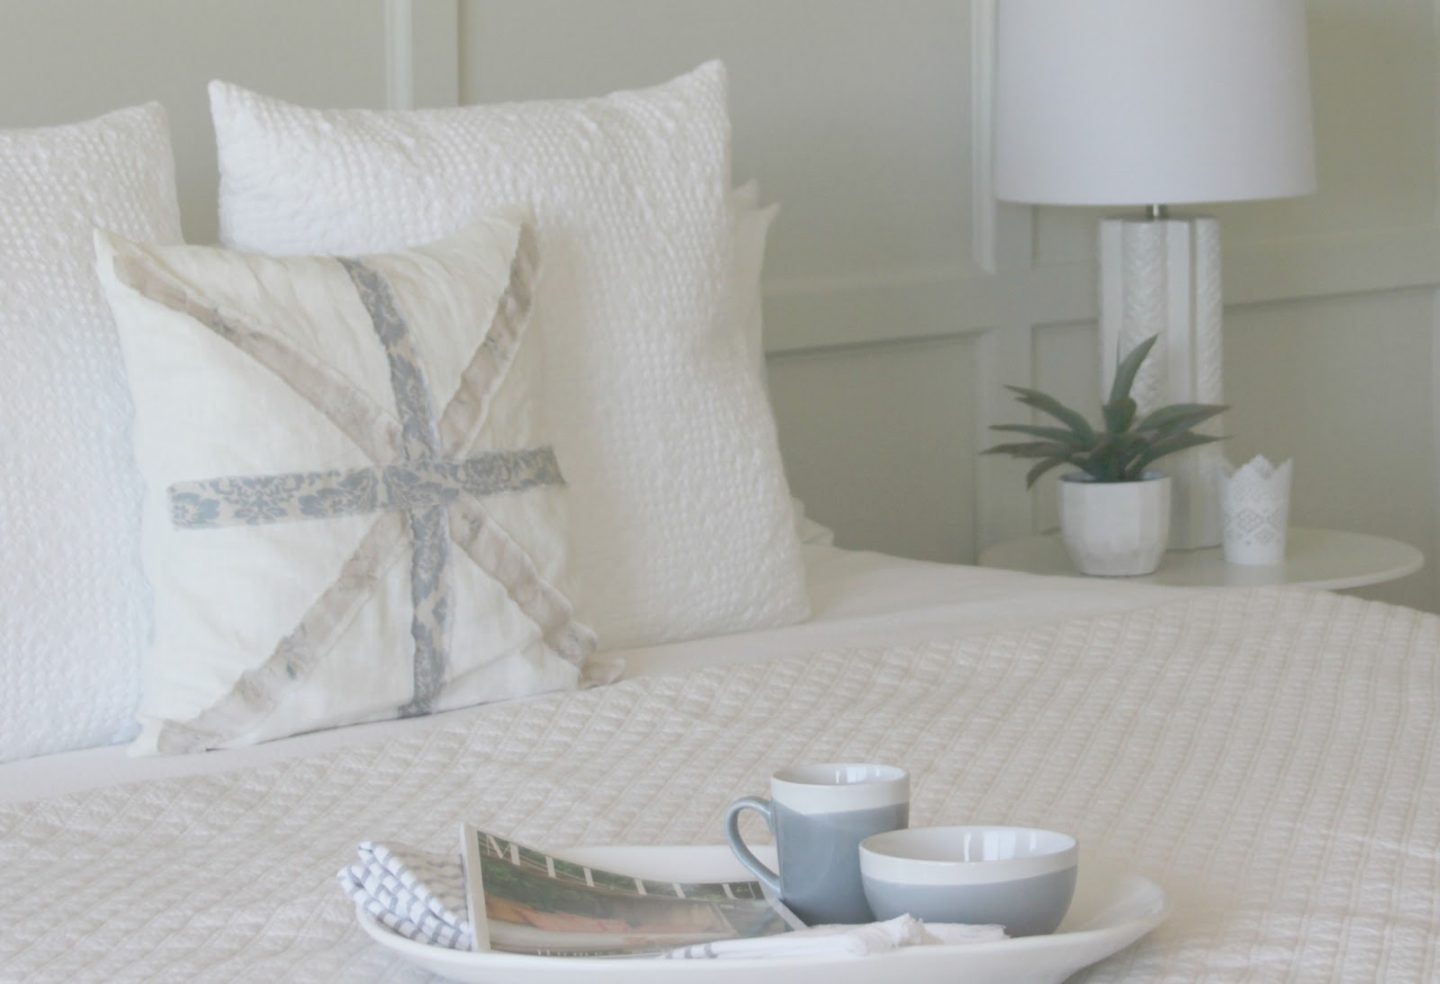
(1255, 508)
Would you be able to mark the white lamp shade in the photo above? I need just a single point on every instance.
(1138, 102)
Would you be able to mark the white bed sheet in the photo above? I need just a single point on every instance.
(857, 599)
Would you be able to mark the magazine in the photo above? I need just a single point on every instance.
(526, 901)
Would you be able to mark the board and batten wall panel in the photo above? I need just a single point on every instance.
(857, 117)
(851, 114)
(68, 60)
(1346, 387)
(893, 401)
(898, 295)
(848, 112)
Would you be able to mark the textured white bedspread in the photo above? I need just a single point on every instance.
(1269, 757)
(856, 599)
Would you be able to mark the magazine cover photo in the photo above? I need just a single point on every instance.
(522, 900)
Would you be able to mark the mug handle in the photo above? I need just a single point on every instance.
(743, 853)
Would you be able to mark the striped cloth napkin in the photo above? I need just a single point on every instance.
(417, 894)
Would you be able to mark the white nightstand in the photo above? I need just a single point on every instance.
(1317, 558)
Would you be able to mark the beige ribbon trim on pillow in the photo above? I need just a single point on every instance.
(433, 492)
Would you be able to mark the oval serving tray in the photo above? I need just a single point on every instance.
(1112, 909)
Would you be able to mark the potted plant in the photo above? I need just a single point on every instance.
(1115, 509)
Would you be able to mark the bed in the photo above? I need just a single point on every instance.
(1268, 756)
(351, 512)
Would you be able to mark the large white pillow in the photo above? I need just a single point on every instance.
(752, 229)
(352, 509)
(681, 524)
(72, 598)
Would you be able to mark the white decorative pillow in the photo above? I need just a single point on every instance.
(752, 228)
(681, 522)
(351, 510)
(72, 599)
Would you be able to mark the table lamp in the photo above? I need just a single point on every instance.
(1156, 103)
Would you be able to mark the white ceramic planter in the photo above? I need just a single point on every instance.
(1115, 529)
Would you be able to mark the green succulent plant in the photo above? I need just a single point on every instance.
(1121, 448)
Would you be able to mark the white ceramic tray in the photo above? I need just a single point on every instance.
(1112, 909)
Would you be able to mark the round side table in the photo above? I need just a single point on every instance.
(1330, 559)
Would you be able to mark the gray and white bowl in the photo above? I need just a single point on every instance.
(1021, 878)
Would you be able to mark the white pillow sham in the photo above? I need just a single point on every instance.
(352, 511)
(681, 521)
(73, 603)
(752, 228)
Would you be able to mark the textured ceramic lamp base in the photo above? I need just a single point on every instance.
(1162, 277)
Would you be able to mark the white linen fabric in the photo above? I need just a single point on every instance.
(822, 942)
(681, 524)
(752, 231)
(1267, 756)
(352, 510)
(73, 603)
(858, 599)
(752, 228)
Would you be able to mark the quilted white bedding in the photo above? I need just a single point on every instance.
(1269, 757)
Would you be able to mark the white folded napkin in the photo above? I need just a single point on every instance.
(421, 896)
(841, 941)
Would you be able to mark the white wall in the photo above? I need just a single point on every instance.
(63, 60)
(888, 339)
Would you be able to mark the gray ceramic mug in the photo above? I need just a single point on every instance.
(818, 815)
